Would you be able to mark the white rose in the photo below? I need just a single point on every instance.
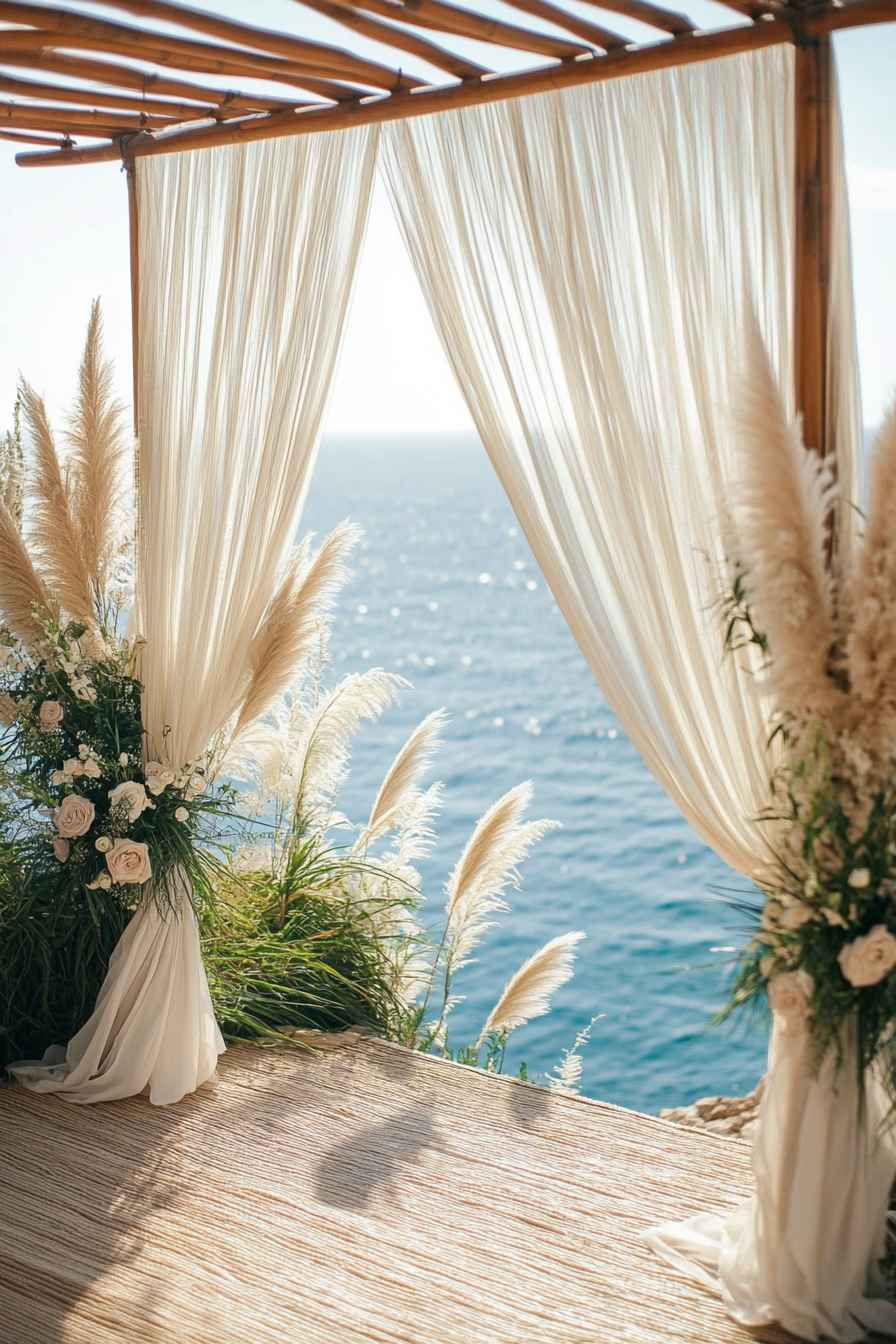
(123, 758)
(789, 996)
(75, 816)
(859, 877)
(795, 916)
(155, 785)
(91, 769)
(72, 766)
(182, 814)
(153, 768)
(866, 960)
(130, 794)
(50, 714)
(103, 843)
(104, 881)
(128, 861)
(60, 848)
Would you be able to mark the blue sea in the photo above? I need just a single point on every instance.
(446, 593)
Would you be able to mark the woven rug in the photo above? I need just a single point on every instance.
(361, 1193)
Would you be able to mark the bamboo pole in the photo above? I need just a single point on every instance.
(202, 59)
(392, 36)
(134, 250)
(306, 58)
(23, 138)
(686, 50)
(447, 18)
(593, 33)
(29, 88)
(654, 15)
(129, 77)
(812, 260)
(78, 120)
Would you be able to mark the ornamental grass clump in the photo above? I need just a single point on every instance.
(819, 623)
(305, 920)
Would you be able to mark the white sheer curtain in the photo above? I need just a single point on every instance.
(247, 257)
(591, 259)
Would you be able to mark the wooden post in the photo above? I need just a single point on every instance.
(812, 263)
(135, 273)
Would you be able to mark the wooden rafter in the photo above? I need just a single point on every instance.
(350, 88)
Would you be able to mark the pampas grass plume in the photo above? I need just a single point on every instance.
(54, 537)
(401, 786)
(98, 441)
(293, 619)
(871, 595)
(529, 992)
(20, 585)
(785, 500)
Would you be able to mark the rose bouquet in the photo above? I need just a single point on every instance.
(814, 611)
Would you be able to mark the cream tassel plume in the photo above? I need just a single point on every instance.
(871, 596)
(784, 501)
(293, 619)
(98, 440)
(54, 537)
(400, 788)
(20, 585)
(529, 992)
(488, 864)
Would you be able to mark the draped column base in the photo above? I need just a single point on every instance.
(805, 1250)
(153, 1026)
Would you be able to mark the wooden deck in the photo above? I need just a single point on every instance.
(364, 1193)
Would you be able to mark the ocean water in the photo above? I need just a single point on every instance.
(447, 594)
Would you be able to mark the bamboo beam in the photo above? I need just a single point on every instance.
(306, 58)
(31, 43)
(24, 138)
(29, 88)
(686, 50)
(129, 77)
(447, 18)
(592, 33)
(399, 38)
(616, 65)
(78, 120)
(812, 260)
(665, 19)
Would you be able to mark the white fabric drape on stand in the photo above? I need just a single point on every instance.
(247, 258)
(591, 259)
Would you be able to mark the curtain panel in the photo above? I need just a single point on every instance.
(591, 258)
(247, 259)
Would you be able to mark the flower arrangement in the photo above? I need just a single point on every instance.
(297, 930)
(816, 617)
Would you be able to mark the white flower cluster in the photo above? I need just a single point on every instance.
(190, 782)
(86, 763)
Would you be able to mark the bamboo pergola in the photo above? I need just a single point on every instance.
(130, 90)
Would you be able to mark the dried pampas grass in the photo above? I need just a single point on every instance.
(400, 789)
(294, 619)
(786, 497)
(21, 589)
(99, 444)
(529, 992)
(487, 866)
(54, 537)
(871, 594)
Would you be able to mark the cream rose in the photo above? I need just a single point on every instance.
(7, 709)
(789, 996)
(50, 714)
(60, 848)
(75, 816)
(866, 960)
(103, 843)
(91, 768)
(128, 861)
(182, 814)
(859, 877)
(130, 794)
(795, 916)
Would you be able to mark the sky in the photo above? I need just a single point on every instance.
(64, 240)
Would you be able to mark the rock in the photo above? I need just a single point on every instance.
(732, 1117)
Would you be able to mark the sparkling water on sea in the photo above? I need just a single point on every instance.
(447, 594)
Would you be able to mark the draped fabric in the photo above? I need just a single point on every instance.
(247, 258)
(592, 259)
